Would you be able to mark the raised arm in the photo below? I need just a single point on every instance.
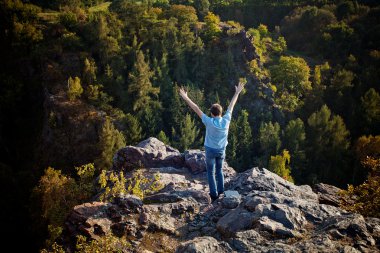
(238, 89)
(192, 105)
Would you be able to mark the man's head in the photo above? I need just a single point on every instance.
(216, 110)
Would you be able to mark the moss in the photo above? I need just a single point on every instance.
(159, 242)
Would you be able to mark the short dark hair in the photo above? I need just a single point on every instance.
(216, 110)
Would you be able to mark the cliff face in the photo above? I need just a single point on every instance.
(260, 211)
(70, 129)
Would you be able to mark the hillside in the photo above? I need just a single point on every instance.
(83, 80)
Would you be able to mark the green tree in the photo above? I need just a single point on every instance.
(98, 97)
(338, 93)
(294, 135)
(269, 141)
(244, 142)
(185, 15)
(74, 88)
(162, 137)
(370, 107)
(20, 23)
(232, 145)
(202, 7)
(131, 129)
(212, 29)
(176, 111)
(163, 80)
(89, 72)
(58, 194)
(140, 88)
(188, 133)
(110, 141)
(338, 35)
(280, 164)
(291, 77)
(328, 143)
(302, 27)
(294, 140)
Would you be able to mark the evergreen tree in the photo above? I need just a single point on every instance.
(110, 141)
(164, 81)
(370, 107)
(188, 133)
(144, 96)
(244, 142)
(269, 141)
(231, 151)
(151, 119)
(162, 137)
(328, 145)
(140, 88)
(202, 7)
(294, 141)
(176, 110)
(294, 135)
(131, 129)
(74, 88)
(89, 72)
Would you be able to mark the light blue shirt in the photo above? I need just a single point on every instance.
(217, 130)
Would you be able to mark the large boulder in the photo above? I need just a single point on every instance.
(264, 180)
(148, 153)
(195, 161)
(205, 244)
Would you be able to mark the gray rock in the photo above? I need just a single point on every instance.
(274, 227)
(204, 244)
(236, 220)
(148, 153)
(289, 217)
(195, 160)
(264, 180)
(327, 194)
(128, 201)
(164, 197)
(350, 225)
(247, 241)
(231, 199)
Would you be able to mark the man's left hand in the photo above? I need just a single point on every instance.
(183, 93)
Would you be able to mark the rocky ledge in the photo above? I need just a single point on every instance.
(260, 211)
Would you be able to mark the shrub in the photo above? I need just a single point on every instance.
(113, 184)
(59, 193)
(74, 88)
(106, 243)
(367, 195)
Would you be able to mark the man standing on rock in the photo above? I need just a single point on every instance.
(215, 140)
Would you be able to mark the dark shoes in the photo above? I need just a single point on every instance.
(215, 198)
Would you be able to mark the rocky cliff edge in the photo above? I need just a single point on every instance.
(260, 212)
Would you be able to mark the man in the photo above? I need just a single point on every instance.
(215, 140)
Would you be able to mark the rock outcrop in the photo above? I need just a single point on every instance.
(260, 212)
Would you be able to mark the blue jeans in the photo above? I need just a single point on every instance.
(214, 166)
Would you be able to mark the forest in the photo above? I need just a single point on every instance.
(81, 79)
